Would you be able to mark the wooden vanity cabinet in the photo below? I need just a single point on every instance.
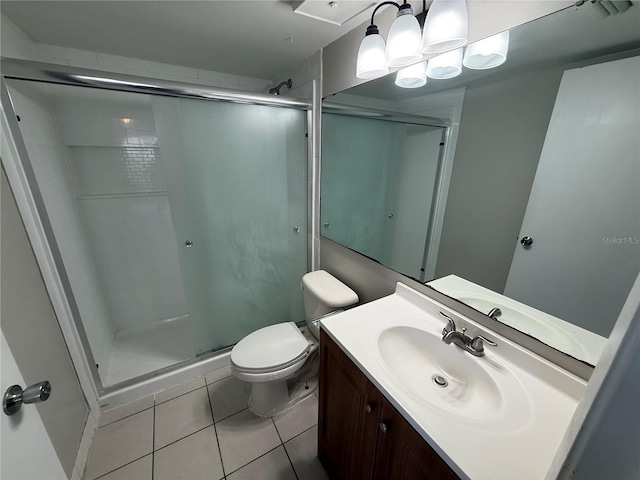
(347, 416)
(361, 436)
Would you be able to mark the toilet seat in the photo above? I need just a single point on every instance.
(270, 349)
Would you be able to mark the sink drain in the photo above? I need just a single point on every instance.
(439, 381)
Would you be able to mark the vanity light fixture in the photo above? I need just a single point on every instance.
(445, 29)
(487, 53)
(413, 76)
(446, 26)
(447, 65)
(405, 39)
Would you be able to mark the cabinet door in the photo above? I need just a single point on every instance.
(348, 416)
(402, 453)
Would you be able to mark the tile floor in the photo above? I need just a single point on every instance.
(202, 429)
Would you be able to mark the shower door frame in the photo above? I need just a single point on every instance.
(19, 170)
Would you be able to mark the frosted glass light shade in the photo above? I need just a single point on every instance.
(446, 26)
(371, 59)
(413, 76)
(447, 65)
(403, 42)
(487, 53)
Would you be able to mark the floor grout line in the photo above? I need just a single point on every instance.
(223, 378)
(121, 466)
(182, 438)
(229, 416)
(215, 430)
(181, 395)
(297, 435)
(258, 457)
(284, 448)
(131, 415)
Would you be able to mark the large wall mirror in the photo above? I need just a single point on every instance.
(514, 189)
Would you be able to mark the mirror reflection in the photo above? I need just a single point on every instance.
(514, 189)
(387, 182)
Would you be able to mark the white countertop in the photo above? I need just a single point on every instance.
(516, 440)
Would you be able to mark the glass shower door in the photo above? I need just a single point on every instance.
(236, 177)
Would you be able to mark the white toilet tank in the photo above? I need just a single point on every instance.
(324, 293)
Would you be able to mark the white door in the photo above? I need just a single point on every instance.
(40, 441)
(27, 451)
(583, 214)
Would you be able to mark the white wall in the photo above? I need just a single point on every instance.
(603, 438)
(15, 44)
(500, 138)
(302, 76)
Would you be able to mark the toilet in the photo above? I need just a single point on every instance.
(281, 361)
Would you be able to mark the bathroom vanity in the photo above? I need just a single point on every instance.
(398, 402)
(360, 434)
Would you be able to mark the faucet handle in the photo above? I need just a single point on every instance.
(477, 342)
(451, 325)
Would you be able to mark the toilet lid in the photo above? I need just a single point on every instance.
(270, 347)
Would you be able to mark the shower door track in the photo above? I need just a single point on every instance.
(82, 77)
(22, 179)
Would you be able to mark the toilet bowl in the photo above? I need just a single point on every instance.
(280, 361)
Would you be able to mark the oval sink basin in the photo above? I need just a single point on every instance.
(443, 376)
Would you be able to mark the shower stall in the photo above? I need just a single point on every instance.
(177, 216)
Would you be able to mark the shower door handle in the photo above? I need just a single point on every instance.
(526, 241)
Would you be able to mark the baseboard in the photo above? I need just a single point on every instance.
(161, 382)
(85, 444)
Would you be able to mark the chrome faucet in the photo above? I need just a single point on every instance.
(495, 313)
(475, 345)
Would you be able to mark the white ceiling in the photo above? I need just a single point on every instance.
(253, 38)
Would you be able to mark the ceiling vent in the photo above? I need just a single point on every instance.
(336, 12)
(608, 7)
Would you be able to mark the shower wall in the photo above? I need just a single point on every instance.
(49, 161)
(121, 193)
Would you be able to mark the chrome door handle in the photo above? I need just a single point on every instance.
(14, 397)
(188, 244)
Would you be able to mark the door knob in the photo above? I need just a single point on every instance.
(526, 241)
(188, 244)
(368, 408)
(383, 428)
(14, 397)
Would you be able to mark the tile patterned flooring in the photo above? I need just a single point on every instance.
(202, 429)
